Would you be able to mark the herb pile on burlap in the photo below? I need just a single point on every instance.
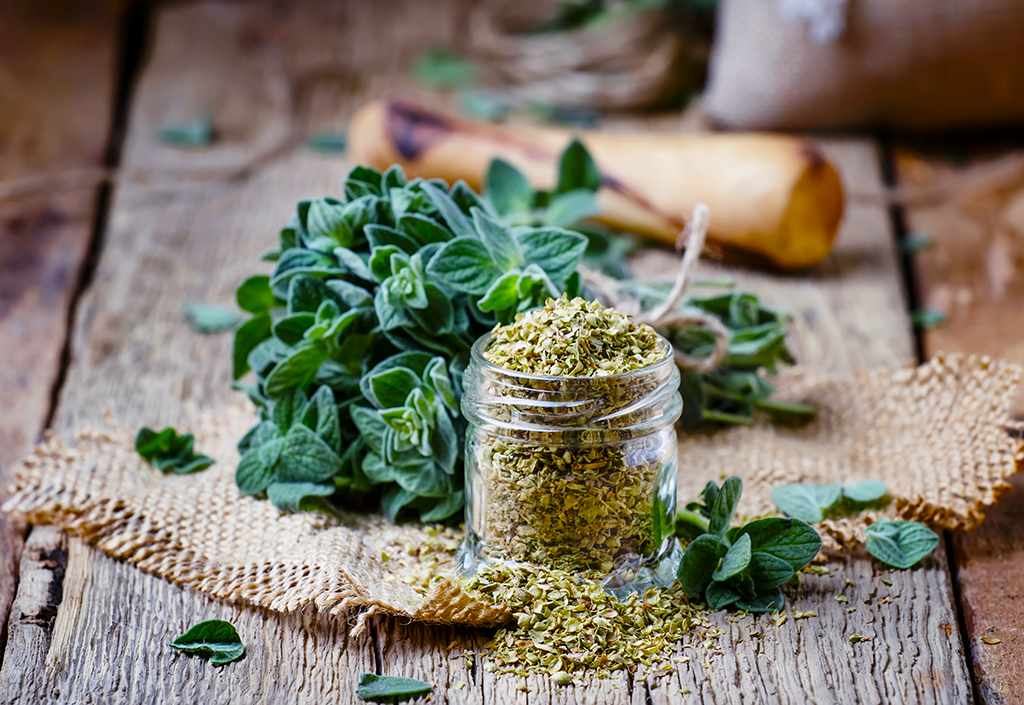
(584, 497)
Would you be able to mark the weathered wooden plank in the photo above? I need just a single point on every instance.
(32, 615)
(57, 78)
(185, 226)
(973, 272)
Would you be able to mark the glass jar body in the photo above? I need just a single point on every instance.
(572, 473)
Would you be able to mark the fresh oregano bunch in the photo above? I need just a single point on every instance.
(371, 310)
(373, 304)
(741, 566)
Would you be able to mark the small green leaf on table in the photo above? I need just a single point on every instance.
(169, 452)
(328, 142)
(865, 491)
(806, 502)
(374, 688)
(211, 318)
(900, 544)
(198, 133)
(440, 67)
(214, 639)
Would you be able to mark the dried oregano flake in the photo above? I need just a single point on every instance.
(569, 628)
(576, 338)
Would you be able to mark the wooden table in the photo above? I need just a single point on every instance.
(105, 233)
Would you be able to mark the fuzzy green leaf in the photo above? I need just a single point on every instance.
(214, 639)
(699, 563)
(806, 502)
(725, 506)
(508, 189)
(900, 544)
(865, 491)
(373, 687)
(735, 561)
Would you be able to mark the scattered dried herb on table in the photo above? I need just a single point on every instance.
(569, 628)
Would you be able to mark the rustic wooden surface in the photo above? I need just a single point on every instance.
(974, 272)
(187, 225)
(57, 76)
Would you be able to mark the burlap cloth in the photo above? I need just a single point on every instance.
(940, 435)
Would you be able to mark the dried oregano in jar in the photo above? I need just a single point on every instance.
(571, 451)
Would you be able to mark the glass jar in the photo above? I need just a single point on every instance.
(577, 473)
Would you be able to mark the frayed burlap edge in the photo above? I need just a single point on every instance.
(940, 435)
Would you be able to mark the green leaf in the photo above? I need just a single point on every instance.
(725, 506)
(329, 142)
(498, 240)
(690, 525)
(295, 496)
(373, 687)
(354, 264)
(215, 639)
(423, 478)
(489, 106)
(699, 563)
(306, 457)
(382, 236)
(792, 540)
(928, 318)
(449, 210)
(555, 250)
(169, 452)
(328, 424)
(577, 170)
(865, 491)
(768, 571)
(390, 388)
(735, 561)
(296, 370)
(291, 329)
(508, 189)
(806, 502)
(198, 133)
(567, 209)
(371, 426)
(289, 410)
(255, 296)
(211, 318)
(440, 67)
(422, 229)
(503, 293)
(252, 475)
(465, 265)
(394, 499)
(900, 544)
(443, 508)
(720, 595)
(764, 601)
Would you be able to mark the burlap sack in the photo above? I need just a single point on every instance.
(900, 63)
(940, 436)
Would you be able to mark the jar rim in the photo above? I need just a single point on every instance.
(480, 345)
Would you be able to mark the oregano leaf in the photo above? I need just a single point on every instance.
(806, 502)
(900, 544)
(374, 687)
(214, 639)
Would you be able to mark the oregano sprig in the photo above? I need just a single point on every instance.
(740, 566)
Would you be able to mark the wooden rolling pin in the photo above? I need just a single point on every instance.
(770, 195)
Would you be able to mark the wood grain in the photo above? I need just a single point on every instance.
(191, 231)
(30, 627)
(57, 78)
(974, 272)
